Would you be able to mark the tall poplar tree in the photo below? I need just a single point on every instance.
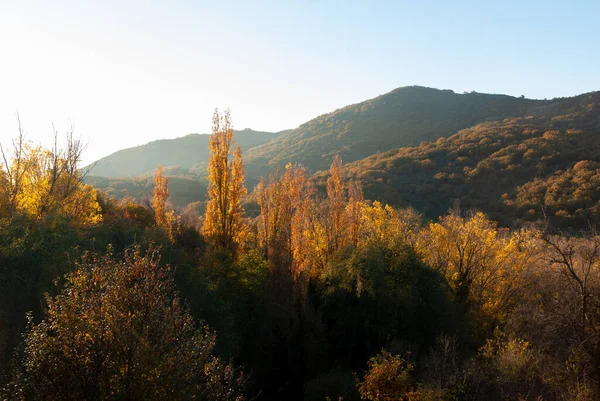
(336, 197)
(165, 218)
(223, 222)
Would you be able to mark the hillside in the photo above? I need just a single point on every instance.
(189, 153)
(425, 147)
(182, 189)
(517, 169)
(403, 117)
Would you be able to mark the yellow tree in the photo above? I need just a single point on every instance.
(485, 267)
(4, 194)
(15, 169)
(336, 200)
(43, 183)
(384, 225)
(464, 251)
(279, 203)
(161, 195)
(354, 211)
(163, 216)
(223, 221)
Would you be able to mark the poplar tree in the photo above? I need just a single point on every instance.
(223, 221)
(164, 217)
(336, 197)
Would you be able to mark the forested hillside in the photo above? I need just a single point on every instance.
(403, 117)
(517, 170)
(513, 158)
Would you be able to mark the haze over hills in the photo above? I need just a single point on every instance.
(499, 152)
(185, 152)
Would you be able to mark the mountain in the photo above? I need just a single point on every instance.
(189, 152)
(518, 169)
(514, 158)
(403, 117)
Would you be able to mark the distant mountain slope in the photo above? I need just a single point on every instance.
(514, 158)
(516, 170)
(182, 190)
(186, 152)
(403, 117)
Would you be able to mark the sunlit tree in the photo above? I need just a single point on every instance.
(336, 201)
(483, 265)
(280, 201)
(164, 217)
(43, 183)
(223, 222)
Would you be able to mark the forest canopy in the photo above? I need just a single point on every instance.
(325, 292)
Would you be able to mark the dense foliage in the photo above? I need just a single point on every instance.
(516, 170)
(325, 294)
(117, 331)
(516, 159)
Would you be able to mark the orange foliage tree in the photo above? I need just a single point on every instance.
(223, 222)
(279, 227)
(164, 217)
(336, 200)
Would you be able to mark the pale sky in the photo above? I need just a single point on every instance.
(128, 72)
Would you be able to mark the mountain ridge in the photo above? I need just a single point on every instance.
(187, 151)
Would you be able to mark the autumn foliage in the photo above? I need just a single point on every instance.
(320, 291)
(118, 330)
(223, 224)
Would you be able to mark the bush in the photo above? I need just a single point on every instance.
(117, 331)
(387, 378)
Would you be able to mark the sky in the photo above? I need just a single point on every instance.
(124, 73)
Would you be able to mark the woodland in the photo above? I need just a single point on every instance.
(406, 274)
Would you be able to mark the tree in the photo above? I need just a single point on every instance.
(223, 223)
(117, 330)
(14, 171)
(44, 183)
(354, 211)
(484, 266)
(164, 217)
(280, 224)
(336, 200)
(384, 225)
(387, 379)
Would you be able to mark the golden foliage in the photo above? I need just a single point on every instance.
(223, 222)
(43, 183)
(336, 200)
(283, 213)
(387, 379)
(483, 265)
(389, 227)
(164, 217)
